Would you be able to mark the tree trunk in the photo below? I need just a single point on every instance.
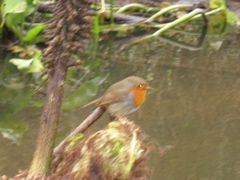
(49, 120)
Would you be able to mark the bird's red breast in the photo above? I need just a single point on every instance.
(139, 92)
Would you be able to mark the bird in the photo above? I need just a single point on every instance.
(123, 97)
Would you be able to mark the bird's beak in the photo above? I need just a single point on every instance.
(149, 88)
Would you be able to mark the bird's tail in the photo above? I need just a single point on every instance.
(91, 103)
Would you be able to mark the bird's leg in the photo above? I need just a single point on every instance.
(112, 117)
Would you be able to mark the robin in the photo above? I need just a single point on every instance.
(123, 97)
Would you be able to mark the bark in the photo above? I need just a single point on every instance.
(49, 120)
(68, 28)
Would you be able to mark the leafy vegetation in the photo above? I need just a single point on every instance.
(14, 15)
(21, 19)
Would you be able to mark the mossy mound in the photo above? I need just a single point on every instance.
(117, 152)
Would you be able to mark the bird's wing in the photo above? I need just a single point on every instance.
(114, 94)
(109, 98)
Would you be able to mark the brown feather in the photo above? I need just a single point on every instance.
(109, 100)
(96, 101)
(115, 93)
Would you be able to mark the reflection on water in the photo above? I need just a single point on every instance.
(195, 110)
(199, 115)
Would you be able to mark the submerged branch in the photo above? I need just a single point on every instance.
(170, 25)
(165, 10)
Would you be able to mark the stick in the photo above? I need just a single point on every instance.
(94, 116)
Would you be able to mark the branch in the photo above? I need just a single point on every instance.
(94, 116)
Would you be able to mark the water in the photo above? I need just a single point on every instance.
(193, 114)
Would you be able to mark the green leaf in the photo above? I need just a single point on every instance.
(14, 19)
(84, 93)
(29, 65)
(216, 3)
(73, 140)
(116, 147)
(35, 1)
(217, 23)
(14, 6)
(76, 137)
(36, 65)
(231, 17)
(81, 95)
(100, 79)
(13, 14)
(22, 64)
(32, 33)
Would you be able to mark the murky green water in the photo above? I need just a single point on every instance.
(194, 114)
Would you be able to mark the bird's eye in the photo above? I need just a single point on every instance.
(140, 85)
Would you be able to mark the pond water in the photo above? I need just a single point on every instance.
(193, 114)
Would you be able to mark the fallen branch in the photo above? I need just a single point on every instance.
(94, 116)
